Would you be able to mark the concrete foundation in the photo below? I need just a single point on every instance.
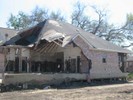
(38, 78)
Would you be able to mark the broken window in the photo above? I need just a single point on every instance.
(104, 58)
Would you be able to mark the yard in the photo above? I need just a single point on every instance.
(121, 91)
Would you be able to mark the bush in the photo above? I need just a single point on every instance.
(130, 76)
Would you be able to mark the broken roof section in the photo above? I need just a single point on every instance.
(61, 33)
(27, 36)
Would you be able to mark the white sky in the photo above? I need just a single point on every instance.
(117, 8)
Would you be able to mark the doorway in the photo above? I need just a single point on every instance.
(16, 69)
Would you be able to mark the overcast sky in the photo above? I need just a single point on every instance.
(117, 8)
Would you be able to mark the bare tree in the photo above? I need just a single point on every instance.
(57, 16)
(78, 18)
(100, 22)
(100, 26)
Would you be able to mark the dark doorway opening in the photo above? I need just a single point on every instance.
(16, 69)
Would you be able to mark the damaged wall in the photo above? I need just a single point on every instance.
(14, 52)
(11, 54)
(15, 59)
(104, 64)
(84, 68)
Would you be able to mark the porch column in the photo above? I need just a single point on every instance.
(64, 65)
(76, 70)
(28, 65)
(20, 60)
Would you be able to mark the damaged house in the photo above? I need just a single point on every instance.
(53, 52)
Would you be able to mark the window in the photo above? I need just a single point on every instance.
(104, 60)
(104, 57)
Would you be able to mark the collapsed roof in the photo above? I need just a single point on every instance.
(61, 33)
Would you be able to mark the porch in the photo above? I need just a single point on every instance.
(46, 58)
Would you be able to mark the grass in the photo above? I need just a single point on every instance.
(130, 76)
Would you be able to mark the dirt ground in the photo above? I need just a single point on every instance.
(121, 91)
